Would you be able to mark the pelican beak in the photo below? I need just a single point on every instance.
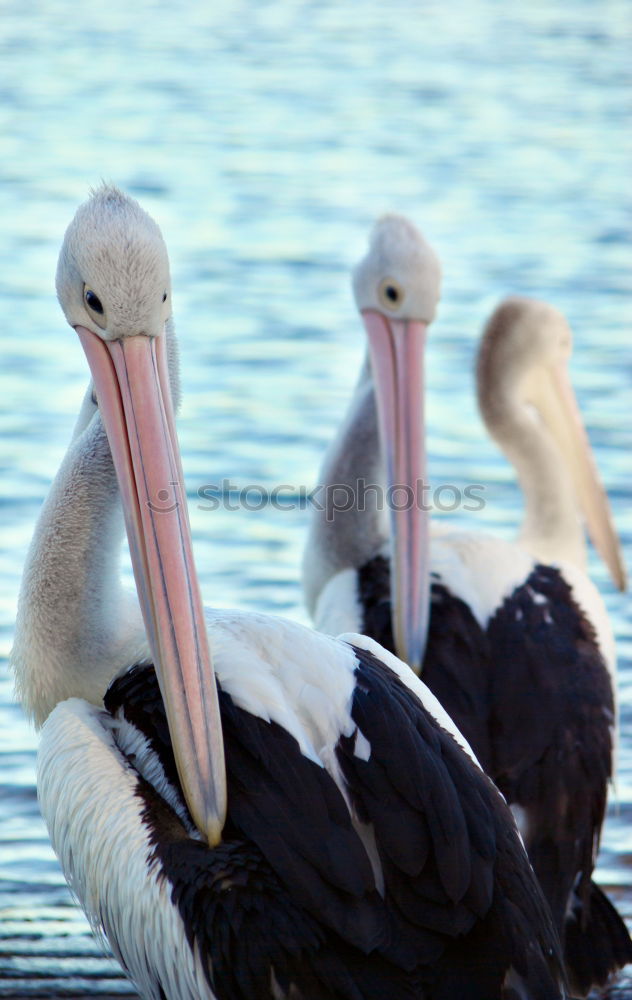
(555, 399)
(396, 348)
(132, 385)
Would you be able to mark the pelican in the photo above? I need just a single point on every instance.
(512, 638)
(234, 798)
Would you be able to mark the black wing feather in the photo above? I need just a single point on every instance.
(553, 713)
(249, 930)
(476, 880)
(552, 723)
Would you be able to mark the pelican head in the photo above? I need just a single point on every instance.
(522, 337)
(400, 275)
(113, 270)
(396, 287)
(113, 285)
(523, 368)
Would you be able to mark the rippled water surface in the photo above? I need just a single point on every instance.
(265, 137)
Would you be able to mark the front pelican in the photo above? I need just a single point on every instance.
(327, 871)
(519, 651)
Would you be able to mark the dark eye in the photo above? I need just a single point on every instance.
(93, 301)
(391, 293)
(164, 298)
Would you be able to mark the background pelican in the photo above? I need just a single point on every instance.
(326, 872)
(518, 647)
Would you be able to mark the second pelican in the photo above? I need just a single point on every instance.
(512, 638)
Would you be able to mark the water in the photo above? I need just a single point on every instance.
(265, 138)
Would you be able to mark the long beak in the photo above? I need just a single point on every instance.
(397, 355)
(132, 385)
(559, 409)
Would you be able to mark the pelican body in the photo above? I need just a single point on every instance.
(512, 638)
(234, 798)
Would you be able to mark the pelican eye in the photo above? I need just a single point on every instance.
(94, 306)
(93, 301)
(391, 293)
(164, 298)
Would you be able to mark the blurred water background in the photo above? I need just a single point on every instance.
(265, 137)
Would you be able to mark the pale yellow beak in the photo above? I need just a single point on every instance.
(558, 407)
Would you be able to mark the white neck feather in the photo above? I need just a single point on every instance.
(340, 539)
(76, 626)
(551, 528)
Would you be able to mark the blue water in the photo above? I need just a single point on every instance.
(265, 138)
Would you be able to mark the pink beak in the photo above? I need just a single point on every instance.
(397, 355)
(132, 386)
